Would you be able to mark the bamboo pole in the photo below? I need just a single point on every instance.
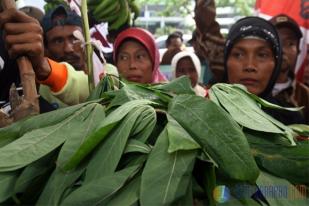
(89, 50)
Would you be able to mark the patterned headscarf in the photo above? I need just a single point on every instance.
(146, 39)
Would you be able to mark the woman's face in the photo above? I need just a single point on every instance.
(134, 62)
(186, 67)
(251, 63)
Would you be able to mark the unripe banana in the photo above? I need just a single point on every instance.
(122, 16)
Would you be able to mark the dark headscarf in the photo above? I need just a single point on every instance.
(145, 38)
(258, 27)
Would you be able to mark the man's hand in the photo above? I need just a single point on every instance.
(24, 37)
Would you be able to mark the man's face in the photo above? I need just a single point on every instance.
(175, 43)
(289, 44)
(62, 45)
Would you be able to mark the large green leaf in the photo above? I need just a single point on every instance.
(134, 145)
(58, 182)
(131, 92)
(218, 135)
(236, 101)
(12, 132)
(289, 162)
(34, 171)
(7, 182)
(144, 125)
(74, 141)
(37, 143)
(181, 85)
(101, 190)
(264, 102)
(301, 129)
(104, 129)
(105, 159)
(178, 137)
(244, 110)
(280, 192)
(128, 195)
(166, 177)
(106, 84)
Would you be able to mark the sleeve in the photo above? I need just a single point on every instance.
(67, 84)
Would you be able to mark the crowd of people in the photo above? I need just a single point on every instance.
(259, 54)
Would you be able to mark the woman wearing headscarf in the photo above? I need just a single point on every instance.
(187, 63)
(253, 57)
(136, 56)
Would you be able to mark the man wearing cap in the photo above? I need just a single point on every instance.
(61, 44)
(287, 89)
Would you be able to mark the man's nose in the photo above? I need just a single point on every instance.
(68, 46)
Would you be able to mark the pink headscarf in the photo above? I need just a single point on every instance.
(144, 37)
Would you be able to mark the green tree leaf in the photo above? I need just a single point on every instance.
(279, 191)
(18, 129)
(105, 160)
(247, 112)
(178, 137)
(104, 129)
(74, 141)
(218, 135)
(288, 162)
(128, 195)
(101, 190)
(166, 177)
(7, 182)
(37, 143)
(134, 145)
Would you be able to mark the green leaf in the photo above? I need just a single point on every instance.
(243, 109)
(74, 141)
(100, 191)
(34, 171)
(104, 129)
(144, 125)
(7, 182)
(58, 182)
(106, 158)
(18, 129)
(253, 117)
(133, 91)
(128, 195)
(105, 85)
(264, 102)
(37, 143)
(289, 162)
(134, 145)
(218, 135)
(166, 177)
(178, 137)
(279, 191)
(301, 129)
(181, 85)
(212, 96)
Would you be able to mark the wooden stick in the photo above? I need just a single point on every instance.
(26, 72)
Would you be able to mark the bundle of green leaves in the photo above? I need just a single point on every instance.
(153, 145)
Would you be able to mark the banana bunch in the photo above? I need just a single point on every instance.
(51, 4)
(115, 12)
